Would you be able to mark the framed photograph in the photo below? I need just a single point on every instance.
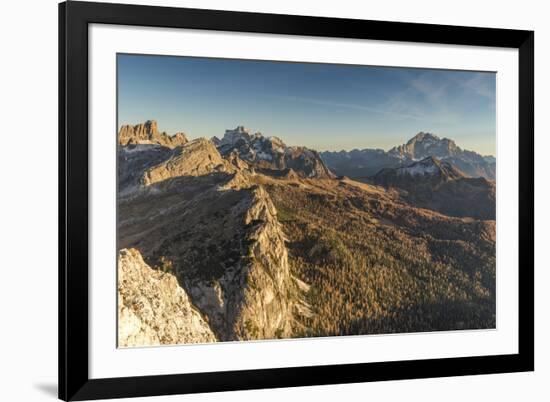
(258, 201)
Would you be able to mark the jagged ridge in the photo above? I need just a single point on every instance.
(271, 153)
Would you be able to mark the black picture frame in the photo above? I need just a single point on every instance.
(74, 18)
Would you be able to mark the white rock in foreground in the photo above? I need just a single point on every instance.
(153, 309)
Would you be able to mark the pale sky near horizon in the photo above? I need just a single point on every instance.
(321, 106)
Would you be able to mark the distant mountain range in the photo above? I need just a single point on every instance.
(368, 162)
(427, 171)
(272, 153)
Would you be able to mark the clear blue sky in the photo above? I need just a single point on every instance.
(322, 106)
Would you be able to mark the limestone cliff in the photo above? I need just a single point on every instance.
(148, 133)
(254, 298)
(268, 301)
(152, 308)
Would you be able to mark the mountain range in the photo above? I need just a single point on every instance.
(245, 238)
(271, 153)
(368, 162)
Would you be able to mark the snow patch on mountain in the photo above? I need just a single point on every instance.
(140, 147)
(418, 169)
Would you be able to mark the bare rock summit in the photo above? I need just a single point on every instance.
(148, 133)
(195, 158)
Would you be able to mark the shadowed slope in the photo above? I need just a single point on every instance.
(440, 186)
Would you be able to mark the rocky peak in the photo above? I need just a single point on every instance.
(195, 158)
(422, 136)
(234, 138)
(267, 312)
(423, 145)
(148, 133)
(307, 163)
(179, 139)
(233, 159)
(152, 126)
(271, 153)
(215, 140)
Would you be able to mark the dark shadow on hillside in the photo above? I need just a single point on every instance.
(188, 221)
(451, 315)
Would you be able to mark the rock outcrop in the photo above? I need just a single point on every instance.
(153, 309)
(271, 153)
(267, 311)
(423, 145)
(134, 160)
(148, 133)
(253, 298)
(306, 162)
(195, 158)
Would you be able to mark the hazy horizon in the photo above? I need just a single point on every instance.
(321, 106)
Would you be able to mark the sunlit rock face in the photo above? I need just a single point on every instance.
(195, 158)
(271, 153)
(148, 133)
(152, 307)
